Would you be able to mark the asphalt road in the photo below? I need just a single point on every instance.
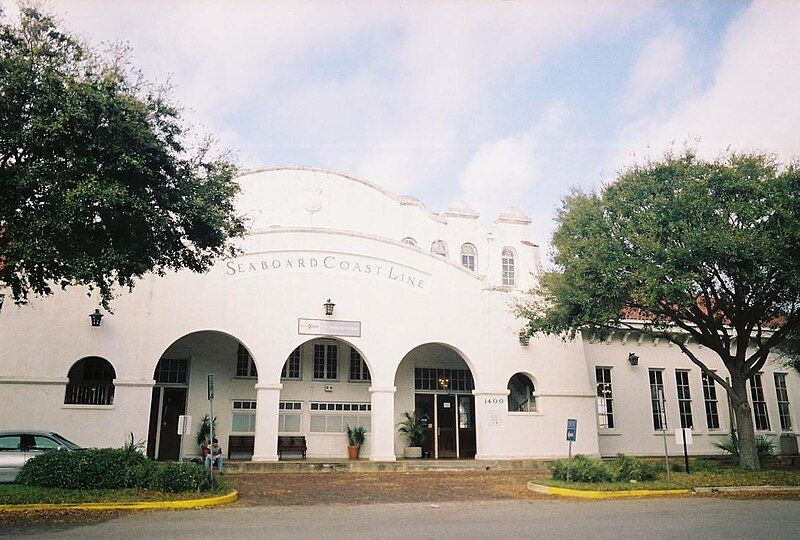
(705, 518)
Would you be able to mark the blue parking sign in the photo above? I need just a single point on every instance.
(572, 428)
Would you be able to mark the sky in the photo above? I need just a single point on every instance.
(497, 104)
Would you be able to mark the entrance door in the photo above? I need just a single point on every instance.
(424, 407)
(466, 427)
(446, 425)
(167, 404)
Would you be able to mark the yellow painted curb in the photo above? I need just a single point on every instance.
(141, 505)
(596, 494)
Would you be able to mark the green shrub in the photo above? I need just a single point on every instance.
(584, 469)
(171, 477)
(621, 469)
(92, 468)
(111, 468)
(703, 465)
(625, 468)
(765, 445)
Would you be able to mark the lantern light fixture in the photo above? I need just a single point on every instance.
(633, 359)
(329, 307)
(524, 337)
(96, 317)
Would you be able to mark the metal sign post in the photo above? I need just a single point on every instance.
(683, 436)
(211, 424)
(662, 412)
(184, 428)
(572, 428)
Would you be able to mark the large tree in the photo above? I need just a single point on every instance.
(706, 249)
(99, 183)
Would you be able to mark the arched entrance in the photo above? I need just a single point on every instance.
(325, 386)
(181, 387)
(435, 382)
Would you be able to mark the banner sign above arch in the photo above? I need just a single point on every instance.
(328, 327)
(322, 262)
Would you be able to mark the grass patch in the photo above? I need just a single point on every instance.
(717, 478)
(20, 494)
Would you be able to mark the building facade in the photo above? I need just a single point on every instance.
(349, 306)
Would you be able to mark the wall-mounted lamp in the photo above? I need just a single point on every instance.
(328, 307)
(633, 359)
(96, 317)
(524, 337)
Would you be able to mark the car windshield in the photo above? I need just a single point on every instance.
(69, 444)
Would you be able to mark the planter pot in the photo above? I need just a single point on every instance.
(412, 452)
(352, 451)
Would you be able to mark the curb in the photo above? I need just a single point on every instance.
(593, 494)
(141, 505)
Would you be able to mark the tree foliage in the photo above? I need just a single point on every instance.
(710, 248)
(98, 184)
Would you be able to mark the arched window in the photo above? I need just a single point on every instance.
(521, 396)
(91, 382)
(408, 240)
(509, 267)
(469, 257)
(439, 247)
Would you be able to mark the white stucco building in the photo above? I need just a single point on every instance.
(423, 320)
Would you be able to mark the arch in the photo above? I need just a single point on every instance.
(91, 382)
(439, 247)
(521, 393)
(162, 349)
(408, 240)
(341, 360)
(508, 267)
(469, 257)
(453, 348)
(180, 371)
(436, 381)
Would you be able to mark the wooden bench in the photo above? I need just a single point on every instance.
(241, 445)
(291, 444)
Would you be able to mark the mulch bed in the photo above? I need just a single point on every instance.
(286, 489)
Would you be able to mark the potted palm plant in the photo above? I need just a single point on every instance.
(355, 439)
(414, 431)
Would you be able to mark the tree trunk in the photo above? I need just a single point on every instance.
(745, 432)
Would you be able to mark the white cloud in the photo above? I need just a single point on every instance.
(752, 102)
(390, 91)
(505, 170)
(660, 72)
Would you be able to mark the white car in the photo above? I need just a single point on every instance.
(17, 447)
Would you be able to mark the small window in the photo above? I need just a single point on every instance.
(91, 382)
(783, 402)
(759, 404)
(408, 240)
(439, 248)
(684, 398)
(291, 368)
(605, 398)
(326, 359)
(509, 267)
(469, 257)
(710, 398)
(657, 408)
(40, 444)
(172, 371)
(521, 396)
(245, 366)
(358, 367)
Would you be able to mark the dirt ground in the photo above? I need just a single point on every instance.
(285, 489)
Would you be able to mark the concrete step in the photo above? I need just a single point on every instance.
(401, 465)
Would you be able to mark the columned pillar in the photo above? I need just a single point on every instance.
(266, 439)
(490, 412)
(382, 439)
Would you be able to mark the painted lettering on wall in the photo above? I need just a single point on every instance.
(282, 262)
